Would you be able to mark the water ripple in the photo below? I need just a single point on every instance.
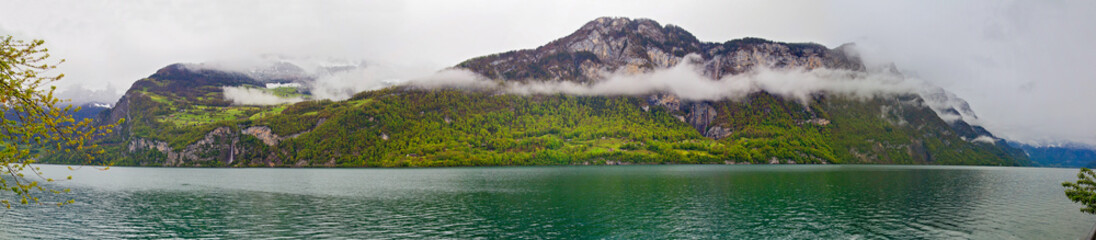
(680, 202)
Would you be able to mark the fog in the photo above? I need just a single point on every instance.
(687, 81)
(255, 96)
(324, 77)
(1024, 66)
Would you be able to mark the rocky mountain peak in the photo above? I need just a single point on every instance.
(623, 42)
(188, 81)
(608, 29)
(609, 44)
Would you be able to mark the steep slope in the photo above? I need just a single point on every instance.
(631, 46)
(621, 44)
(179, 116)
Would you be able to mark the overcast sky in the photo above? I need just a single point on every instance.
(1026, 67)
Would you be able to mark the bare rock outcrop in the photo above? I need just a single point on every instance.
(640, 45)
(717, 132)
(263, 133)
(141, 143)
(219, 145)
(699, 114)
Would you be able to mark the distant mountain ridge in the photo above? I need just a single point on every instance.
(1067, 155)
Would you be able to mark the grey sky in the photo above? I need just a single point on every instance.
(1025, 67)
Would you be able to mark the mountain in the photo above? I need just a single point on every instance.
(1073, 156)
(182, 115)
(90, 110)
(87, 110)
(642, 45)
(621, 44)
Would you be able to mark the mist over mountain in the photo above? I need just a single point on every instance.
(80, 94)
(1016, 62)
(615, 91)
(323, 78)
(615, 56)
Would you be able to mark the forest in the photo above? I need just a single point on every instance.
(407, 127)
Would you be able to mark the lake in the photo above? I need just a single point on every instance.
(616, 202)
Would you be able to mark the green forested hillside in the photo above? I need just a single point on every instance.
(405, 127)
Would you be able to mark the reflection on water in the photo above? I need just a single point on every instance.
(693, 201)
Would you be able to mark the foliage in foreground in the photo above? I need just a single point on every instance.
(32, 125)
(1083, 191)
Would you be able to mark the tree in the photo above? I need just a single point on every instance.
(1083, 191)
(34, 122)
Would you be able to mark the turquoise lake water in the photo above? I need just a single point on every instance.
(614, 202)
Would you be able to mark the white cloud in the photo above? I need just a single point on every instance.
(254, 96)
(984, 139)
(687, 81)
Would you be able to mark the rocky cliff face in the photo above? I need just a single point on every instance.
(614, 45)
(264, 134)
(608, 45)
(621, 44)
(218, 147)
